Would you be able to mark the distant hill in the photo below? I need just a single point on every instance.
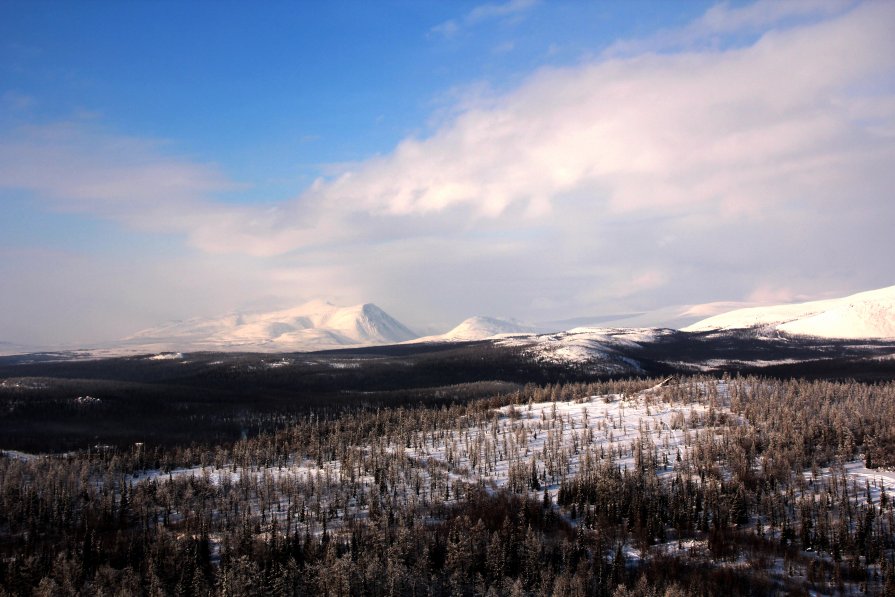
(864, 315)
(479, 327)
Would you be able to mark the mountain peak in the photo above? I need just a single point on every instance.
(314, 325)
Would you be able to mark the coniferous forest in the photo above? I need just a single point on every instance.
(680, 485)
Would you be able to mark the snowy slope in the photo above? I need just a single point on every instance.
(865, 315)
(601, 348)
(315, 325)
(479, 327)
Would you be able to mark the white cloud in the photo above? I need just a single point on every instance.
(734, 132)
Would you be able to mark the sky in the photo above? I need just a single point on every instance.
(536, 160)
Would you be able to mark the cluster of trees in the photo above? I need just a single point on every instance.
(757, 499)
(487, 545)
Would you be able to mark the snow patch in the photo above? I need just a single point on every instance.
(166, 356)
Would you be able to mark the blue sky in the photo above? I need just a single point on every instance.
(542, 160)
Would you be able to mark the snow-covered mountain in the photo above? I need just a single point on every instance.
(316, 325)
(479, 327)
(864, 315)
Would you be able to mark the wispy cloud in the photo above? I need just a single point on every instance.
(706, 310)
(482, 13)
(485, 12)
(79, 167)
(724, 19)
(16, 100)
(76, 166)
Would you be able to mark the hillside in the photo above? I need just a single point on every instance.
(864, 315)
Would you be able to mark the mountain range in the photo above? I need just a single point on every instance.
(320, 325)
